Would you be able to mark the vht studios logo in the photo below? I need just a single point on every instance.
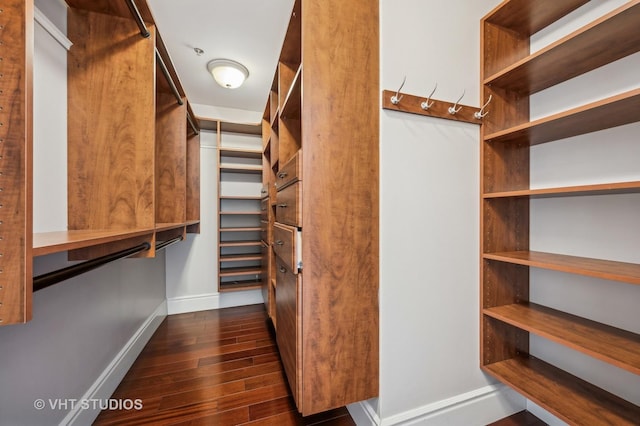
(88, 404)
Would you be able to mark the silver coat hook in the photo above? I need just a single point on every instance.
(480, 114)
(395, 99)
(426, 104)
(453, 110)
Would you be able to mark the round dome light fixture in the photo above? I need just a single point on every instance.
(227, 73)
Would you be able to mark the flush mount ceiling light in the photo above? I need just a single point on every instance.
(227, 73)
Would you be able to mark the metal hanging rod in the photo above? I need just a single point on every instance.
(144, 31)
(172, 85)
(50, 278)
(191, 124)
(163, 244)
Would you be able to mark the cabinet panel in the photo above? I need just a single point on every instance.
(288, 205)
(288, 315)
(285, 245)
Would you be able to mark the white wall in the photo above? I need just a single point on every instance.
(192, 266)
(429, 242)
(86, 331)
(598, 226)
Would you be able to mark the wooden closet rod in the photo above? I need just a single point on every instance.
(163, 244)
(50, 278)
(144, 31)
(165, 71)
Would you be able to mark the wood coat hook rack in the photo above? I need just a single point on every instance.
(404, 102)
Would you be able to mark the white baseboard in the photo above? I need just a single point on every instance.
(478, 407)
(205, 302)
(108, 381)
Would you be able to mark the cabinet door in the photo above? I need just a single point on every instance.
(288, 314)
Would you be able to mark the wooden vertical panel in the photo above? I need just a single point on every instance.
(501, 47)
(171, 159)
(111, 131)
(193, 176)
(340, 141)
(16, 158)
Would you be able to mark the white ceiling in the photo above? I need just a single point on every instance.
(247, 31)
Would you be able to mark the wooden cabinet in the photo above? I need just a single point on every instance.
(133, 148)
(321, 131)
(240, 207)
(510, 74)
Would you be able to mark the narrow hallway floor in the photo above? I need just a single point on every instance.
(218, 367)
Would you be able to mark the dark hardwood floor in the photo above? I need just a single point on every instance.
(523, 418)
(218, 367)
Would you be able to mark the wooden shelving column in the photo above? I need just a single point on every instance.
(16, 140)
(511, 74)
(320, 205)
(240, 246)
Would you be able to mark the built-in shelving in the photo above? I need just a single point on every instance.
(605, 269)
(511, 73)
(240, 170)
(568, 397)
(603, 114)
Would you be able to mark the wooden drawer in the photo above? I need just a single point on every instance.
(290, 172)
(285, 245)
(265, 235)
(288, 206)
(264, 192)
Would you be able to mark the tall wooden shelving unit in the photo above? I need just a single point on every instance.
(320, 205)
(133, 148)
(240, 245)
(511, 74)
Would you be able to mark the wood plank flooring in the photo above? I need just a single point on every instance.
(523, 418)
(218, 367)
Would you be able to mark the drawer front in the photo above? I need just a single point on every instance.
(288, 316)
(264, 192)
(288, 206)
(284, 245)
(290, 172)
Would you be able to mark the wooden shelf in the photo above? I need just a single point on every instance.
(609, 344)
(604, 269)
(571, 399)
(55, 242)
(292, 103)
(605, 40)
(168, 226)
(241, 197)
(238, 272)
(603, 114)
(240, 285)
(240, 168)
(571, 191)
(240, 213)
(238, 229)
(240, 257)
(240, 152)
(528, 17)
(240, 244)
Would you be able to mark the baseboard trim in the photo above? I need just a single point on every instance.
(205, 302)
(478, 407)
(108, 381)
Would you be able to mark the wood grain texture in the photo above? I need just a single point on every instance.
(111, 123)
(170, 159)
(16, 161)
(605, 40)
(609, 344)
(212, 368)
(290, 172)
(284, 245)
(569, 398)
(289, 205)
(113, 7)
(54, 242)
(632, 187)
(526, 17)
(523, 418)
(340, 243)
(288, 313)
(603, 114)
(604, 269)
